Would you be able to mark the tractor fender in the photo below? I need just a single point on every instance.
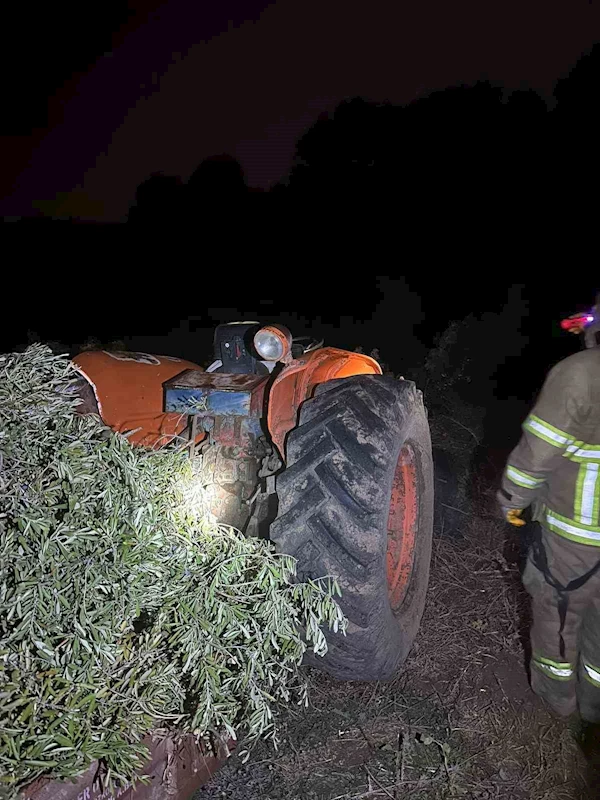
(298, 380)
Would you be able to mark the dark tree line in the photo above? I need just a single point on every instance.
(471, 145)
(466, 147)
(161, 198)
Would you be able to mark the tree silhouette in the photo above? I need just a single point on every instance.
(463, 149)
(577, 92)
(457, 145)
(157, 201)
(219, 178)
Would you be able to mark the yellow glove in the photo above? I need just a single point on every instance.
(513, 515)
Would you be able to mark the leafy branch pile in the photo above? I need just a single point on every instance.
(122, 609)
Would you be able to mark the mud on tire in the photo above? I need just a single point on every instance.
(346, 509)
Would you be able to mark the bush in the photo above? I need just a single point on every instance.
(122, 609)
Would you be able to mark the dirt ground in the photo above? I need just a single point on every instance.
(458, 721)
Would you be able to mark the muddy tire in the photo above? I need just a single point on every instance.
(356, 502)
(231, 481)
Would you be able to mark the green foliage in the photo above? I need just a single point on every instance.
(122, 609)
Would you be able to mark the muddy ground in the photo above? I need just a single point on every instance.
(458, 721)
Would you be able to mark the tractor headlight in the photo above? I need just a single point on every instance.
(273, 343)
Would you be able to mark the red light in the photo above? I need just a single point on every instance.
(576, 323)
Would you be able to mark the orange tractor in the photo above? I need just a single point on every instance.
(308, 445)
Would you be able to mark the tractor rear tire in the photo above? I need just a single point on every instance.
(356, 503)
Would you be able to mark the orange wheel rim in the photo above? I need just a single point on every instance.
(402, 527)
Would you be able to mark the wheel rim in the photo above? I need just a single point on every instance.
(402, 527)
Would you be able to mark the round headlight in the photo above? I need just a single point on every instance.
(273, 343)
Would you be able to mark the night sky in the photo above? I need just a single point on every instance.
(99, 97)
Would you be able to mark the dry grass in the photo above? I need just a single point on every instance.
(459, 721)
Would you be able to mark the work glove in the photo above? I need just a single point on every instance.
(510, 514)
(513, 515)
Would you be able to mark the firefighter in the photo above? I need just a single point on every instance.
(555, 469)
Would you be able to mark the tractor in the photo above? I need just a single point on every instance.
(308, 445)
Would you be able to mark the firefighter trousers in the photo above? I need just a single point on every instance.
(563, 579)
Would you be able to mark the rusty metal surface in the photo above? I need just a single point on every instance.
(213, 395)
(239, 432)
(175, 772)
(224, 382)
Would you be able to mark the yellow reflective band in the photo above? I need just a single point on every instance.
(523, 478)
(559, 664)
(587, 495)
(582, 451)
(592, 674)
(557, 670)
(571, 529)
(543, 430)
(558, 674)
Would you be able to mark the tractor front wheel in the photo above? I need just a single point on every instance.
(356, 503)
(229, 482)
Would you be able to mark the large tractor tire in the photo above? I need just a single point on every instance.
(356, 503)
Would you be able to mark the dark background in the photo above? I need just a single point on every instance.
(509, 340)
(98, 98)
(454, 148)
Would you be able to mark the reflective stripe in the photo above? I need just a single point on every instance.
(543, 430)
(523, 478)
(592, 673)
(555, 669)
(558, 664)
(570, 529)
(587, 494)
(582, 451)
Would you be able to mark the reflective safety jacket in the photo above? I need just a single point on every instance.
(556, 465)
